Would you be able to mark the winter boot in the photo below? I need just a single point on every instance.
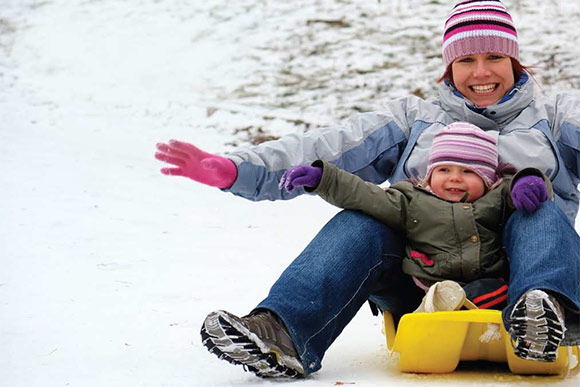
(444, 296)
(537, 326)
(259, 341)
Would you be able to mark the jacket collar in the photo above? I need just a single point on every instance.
(494, 116)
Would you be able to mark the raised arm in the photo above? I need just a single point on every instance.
(368, 145)
(349, 191)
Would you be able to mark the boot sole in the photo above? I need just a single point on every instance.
(536, 329)
(233, 342)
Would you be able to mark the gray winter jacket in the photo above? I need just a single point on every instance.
(393, 143)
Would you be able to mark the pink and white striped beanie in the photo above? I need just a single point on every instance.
(464, 144)
(477, 27)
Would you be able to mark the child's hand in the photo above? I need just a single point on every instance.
(192, 162)
(528, 192)
(301, 176)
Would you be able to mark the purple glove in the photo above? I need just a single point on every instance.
(528, 192)
(301, 176)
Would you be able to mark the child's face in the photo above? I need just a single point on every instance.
(451, 182)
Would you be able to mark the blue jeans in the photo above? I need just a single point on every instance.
(352, 258)
(544, 253)
(355, 258)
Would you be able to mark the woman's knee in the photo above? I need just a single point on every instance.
(359, 229)
(547, 218)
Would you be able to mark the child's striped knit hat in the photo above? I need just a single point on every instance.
(464, 144)
(476, 27)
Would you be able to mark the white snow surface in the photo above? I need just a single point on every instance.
(108, 268)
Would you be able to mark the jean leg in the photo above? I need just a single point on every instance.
(324, 287)
(396, 293)
(544, 253)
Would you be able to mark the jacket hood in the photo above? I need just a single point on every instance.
(495, 116)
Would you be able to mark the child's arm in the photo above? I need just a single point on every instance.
(348, 191)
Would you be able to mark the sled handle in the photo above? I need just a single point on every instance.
(389, 330)
(574, 353)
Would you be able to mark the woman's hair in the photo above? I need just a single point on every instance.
(517, 67)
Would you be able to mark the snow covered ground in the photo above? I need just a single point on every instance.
(107, 267)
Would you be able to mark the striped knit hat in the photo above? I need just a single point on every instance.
(477, 27)
(464, 144)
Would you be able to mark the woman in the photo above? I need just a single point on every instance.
(355, 258)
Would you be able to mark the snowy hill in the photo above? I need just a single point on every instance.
(108, 267)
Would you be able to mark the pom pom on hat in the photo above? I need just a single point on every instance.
(464, 144)
(477, 27)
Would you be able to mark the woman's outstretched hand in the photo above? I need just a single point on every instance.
(528, 192)
(192, 162)
(301, 176)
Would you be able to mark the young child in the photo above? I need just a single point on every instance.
(453, 218)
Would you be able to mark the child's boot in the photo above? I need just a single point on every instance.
(444, 296)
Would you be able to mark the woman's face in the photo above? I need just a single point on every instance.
(483, 78)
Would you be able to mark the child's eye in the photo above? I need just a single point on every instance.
(468, 171)
(495, 57)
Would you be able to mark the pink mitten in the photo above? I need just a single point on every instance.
(192, 162)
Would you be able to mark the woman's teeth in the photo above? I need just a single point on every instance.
(484, 88)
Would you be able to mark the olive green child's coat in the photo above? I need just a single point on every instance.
(461, 241)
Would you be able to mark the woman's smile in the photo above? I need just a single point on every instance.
(483, 78)
(483, 89)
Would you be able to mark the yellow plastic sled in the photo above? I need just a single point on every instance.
(436, 342)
